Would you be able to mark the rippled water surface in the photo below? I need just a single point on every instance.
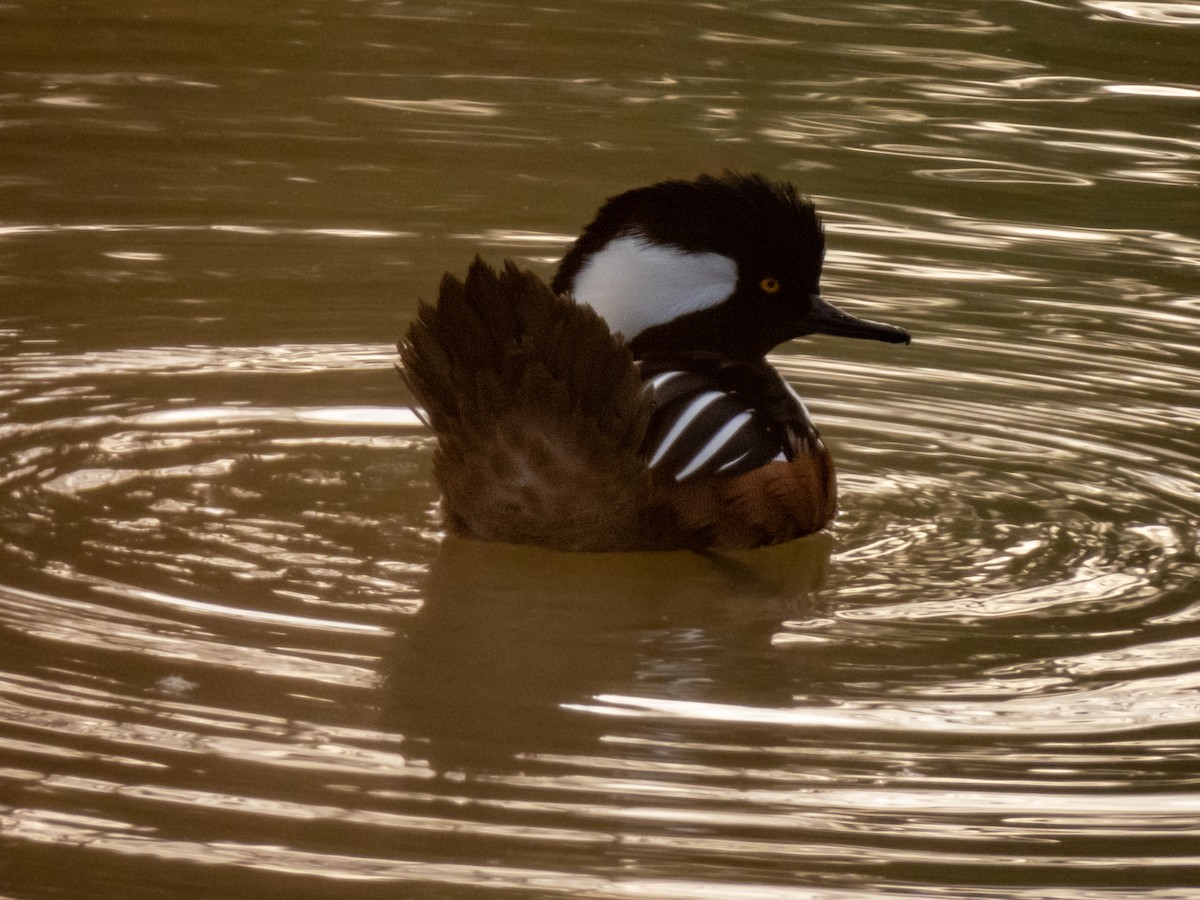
(239, 659)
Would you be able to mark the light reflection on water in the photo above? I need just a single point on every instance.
(238, 658)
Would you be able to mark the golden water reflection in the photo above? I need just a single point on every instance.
(237, 656)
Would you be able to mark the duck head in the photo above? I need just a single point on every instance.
(726, 264)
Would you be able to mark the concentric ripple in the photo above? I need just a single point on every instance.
(1010, 598)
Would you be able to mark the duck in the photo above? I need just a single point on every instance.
(629, 404)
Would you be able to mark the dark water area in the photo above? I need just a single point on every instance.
(238, 656)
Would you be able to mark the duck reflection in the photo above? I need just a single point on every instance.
(509, 637)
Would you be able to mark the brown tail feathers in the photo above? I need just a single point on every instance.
(538, 413)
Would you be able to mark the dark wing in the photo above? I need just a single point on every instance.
(538, 413)
(699, 430)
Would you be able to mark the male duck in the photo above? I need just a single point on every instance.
(630, 405)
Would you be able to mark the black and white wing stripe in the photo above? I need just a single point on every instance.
(698, 429)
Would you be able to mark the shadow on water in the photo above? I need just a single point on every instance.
(510, 638)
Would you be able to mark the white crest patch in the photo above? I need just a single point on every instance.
(634, 284)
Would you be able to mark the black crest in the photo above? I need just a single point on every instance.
(746, 217)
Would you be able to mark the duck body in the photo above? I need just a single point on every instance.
(749, 468)
(630, 405)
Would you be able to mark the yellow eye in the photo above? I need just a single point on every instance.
(770, 285)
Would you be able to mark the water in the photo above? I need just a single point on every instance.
(238, 659)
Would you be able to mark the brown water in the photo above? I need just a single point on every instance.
(238, 660)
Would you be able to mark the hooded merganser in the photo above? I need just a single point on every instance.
(629, 405)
